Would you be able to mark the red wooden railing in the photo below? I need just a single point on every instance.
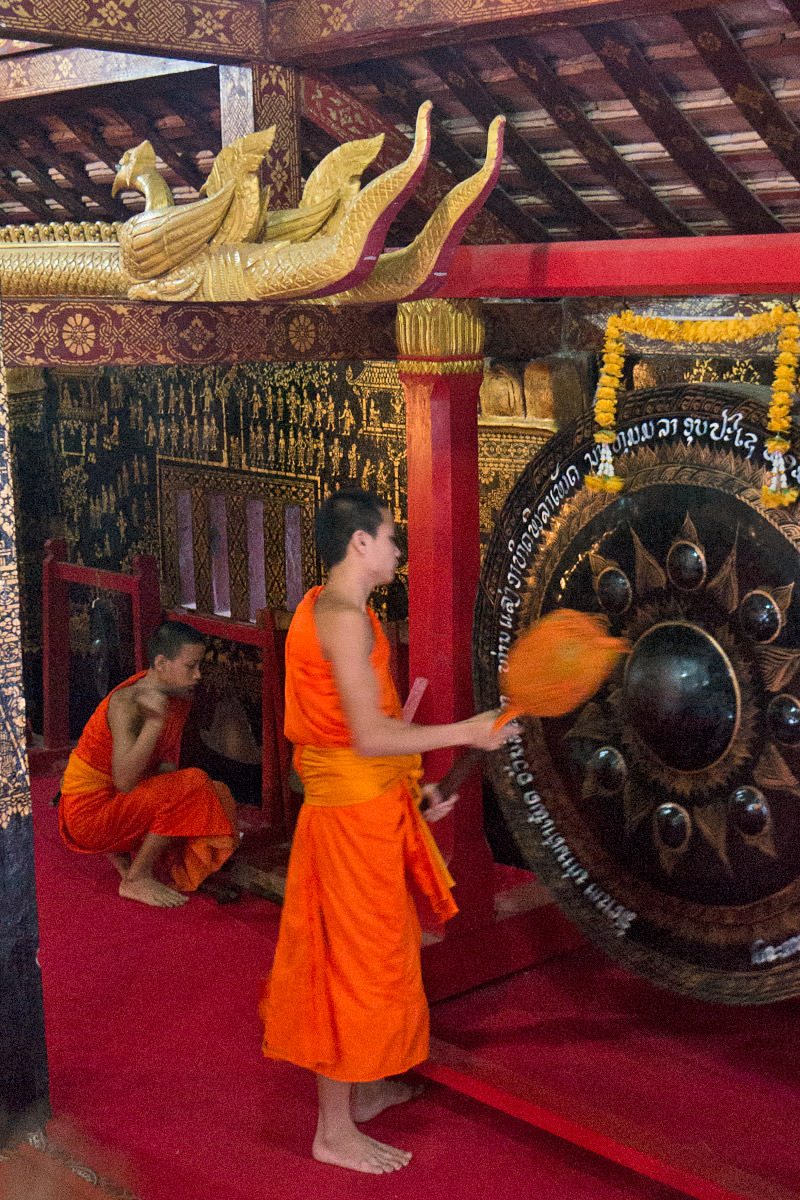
(57, 575)
(277, 806)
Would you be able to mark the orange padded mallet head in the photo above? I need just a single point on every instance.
(557, 664)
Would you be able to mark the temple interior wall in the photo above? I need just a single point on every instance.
(100, 454)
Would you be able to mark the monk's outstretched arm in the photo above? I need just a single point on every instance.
(346, 638)
(135, 726)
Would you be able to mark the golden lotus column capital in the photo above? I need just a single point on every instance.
(440, 337)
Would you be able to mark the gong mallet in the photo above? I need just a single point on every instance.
(558, 663)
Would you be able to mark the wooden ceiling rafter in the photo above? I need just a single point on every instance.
(204, 134)
(192, 134)
(454, 71)
(143, 130)
(179, 131)
(73, 171)
(541, 81)
(637, 80)
(793, 8)
(31, 201)
(721, 53)
(391, 81)
(82, 133)
(608, 174)
(85, 131)
(68, 200)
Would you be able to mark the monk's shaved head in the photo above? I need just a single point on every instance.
(340, 516)
(168, 638)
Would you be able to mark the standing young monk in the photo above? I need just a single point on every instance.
(122, 793)
(345, 996)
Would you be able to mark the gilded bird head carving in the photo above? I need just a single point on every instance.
(137, 161)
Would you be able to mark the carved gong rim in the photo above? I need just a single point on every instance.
(674, 857)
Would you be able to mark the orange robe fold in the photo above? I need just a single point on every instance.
(96, 818)
(345, 996)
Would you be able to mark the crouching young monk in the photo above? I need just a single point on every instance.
(345, 996)
(122, 794)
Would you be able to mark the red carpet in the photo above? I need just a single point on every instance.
(710, 1089)
(154, 1054)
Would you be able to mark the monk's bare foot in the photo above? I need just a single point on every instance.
(150, 891)
(369, 1099)
(121, 862)
(357, 1152)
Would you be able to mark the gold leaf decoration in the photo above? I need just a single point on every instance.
(688, 532)
(242, 157)
(778, 666)
(712, 822)
(340, 171)
(725, 584)
(599, 564)
(635, 808)
(649, 574)
(782, 596)
(771, 771)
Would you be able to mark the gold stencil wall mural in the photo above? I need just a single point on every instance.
(114, 447)
(109, 450)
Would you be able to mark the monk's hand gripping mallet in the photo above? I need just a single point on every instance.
(554, 666)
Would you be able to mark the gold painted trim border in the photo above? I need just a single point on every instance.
(441, 366)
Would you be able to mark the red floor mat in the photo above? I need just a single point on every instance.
(153, 1044)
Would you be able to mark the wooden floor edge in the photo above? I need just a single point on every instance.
(545, 1109)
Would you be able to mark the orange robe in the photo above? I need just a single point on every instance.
(345, 996)
(96, 818)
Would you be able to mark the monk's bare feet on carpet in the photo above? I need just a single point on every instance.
(149, 891)
(357, 1152)
(121, 862)
(369, 1099)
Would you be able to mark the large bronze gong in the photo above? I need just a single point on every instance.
(664, 814)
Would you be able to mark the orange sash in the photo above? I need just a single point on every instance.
(81, 777)
(335, 775)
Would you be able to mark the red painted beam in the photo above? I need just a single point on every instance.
(729, 265)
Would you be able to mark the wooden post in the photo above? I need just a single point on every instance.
(276, 760)
(146, 604)
(441, 366)
(276, 101)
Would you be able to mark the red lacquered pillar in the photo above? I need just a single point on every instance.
(440, 363)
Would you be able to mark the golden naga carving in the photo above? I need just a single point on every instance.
(228, 246)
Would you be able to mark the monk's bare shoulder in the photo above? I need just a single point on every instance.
(124, 710)
(122, 703)
(342, 627)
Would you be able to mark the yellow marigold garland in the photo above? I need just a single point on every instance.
(775, 493)
(605, 406)
(732, 329)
